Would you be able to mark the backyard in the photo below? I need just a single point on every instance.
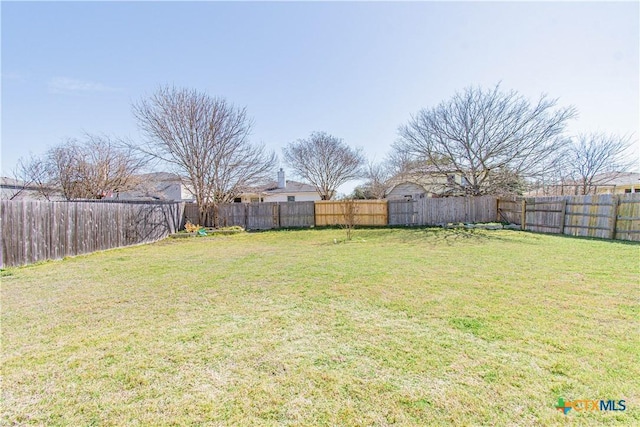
(412, 326)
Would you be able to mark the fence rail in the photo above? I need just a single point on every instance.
(35, 231)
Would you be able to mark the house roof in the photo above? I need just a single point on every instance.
(16, 184)
(424, 176)
(617, 178)
(5, 181)
(290, 187)
(610, 179)
(151, 186)
(160, 177)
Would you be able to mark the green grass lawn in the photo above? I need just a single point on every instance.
(396, 327)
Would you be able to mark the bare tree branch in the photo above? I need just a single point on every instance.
(325, 161)
(493, 139)
(87, 168)
(377, 177)
(593, 155)
(34, 174)
(206, 141)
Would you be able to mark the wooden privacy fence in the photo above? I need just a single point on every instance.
(428, 211)
(607, 216)
(35, 231)
(434, 211)
(256, 216)
(509, 210)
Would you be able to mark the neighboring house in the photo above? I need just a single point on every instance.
(164, 186)
(425, 182)
(14, 189)
(161, 186)
(606, 183)
(280, 191)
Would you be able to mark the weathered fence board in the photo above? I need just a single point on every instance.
(191, 214)
(228, 215)
(510, 210)
(263, 216)
(591, 216)
(367, 212)
(545, 214)
(255, 216)
(457, 209)
(404, 212)
(34, 231)
(627, 219)
(606, 216)
(297, 214)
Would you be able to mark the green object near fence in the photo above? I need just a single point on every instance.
(202, 232)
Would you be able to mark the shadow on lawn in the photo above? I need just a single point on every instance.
(438, 235)
(433, 235)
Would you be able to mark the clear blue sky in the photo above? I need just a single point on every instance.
(355, 70)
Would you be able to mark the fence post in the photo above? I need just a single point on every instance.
(562, 215)
(523, 215)
(279, 214)
(615, 202)
(386, 205)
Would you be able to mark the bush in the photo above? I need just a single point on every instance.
(191, 228)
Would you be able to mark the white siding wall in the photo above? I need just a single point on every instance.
(406, 189)
(185, 194)
(300, 197)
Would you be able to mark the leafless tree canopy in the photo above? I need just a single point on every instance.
(206, 140)
(87, 168)
(592, 155)
(377, 176)
(325, 161)
(34, 174)
(492, 138)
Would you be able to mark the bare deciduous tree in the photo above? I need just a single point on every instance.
(206, 141)
(101, 165)
(325, 161)
(34, 174)
(493, 139)
(593, 159)
(89, 168)
(377, 176)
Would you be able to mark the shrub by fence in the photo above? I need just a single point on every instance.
(35, 231)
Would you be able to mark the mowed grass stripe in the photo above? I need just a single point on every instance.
(398, 326)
